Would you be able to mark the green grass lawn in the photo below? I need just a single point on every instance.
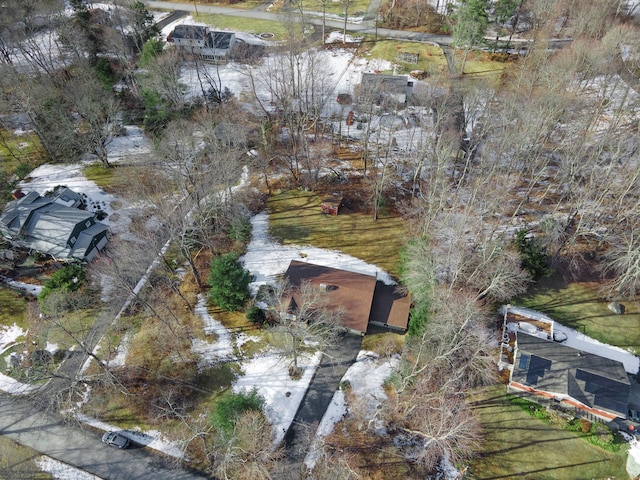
(241, 4)
(20, 149)
(14, 308)
(522, 447)
(356, 7)
(17, 462)
(19, 155)
(239, 24)
(77, 322)
(295, 218)
(580, 306)
(481, 64)
(103, 177)
(430, 57)
(432, 60)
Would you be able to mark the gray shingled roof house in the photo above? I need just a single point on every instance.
(376, 87)
(595, 387)
(53, 226)
(202, 41)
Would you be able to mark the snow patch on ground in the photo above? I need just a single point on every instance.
(62, 471)
(269, 375)
(14, 387)
(150, 438)
(266, 259)
(26, 287)
(8, 336)
(366, 378)
(211, 352)
(121, 352)
(336, 36)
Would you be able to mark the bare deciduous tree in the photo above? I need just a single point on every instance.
(249, 453)
(304, 316)
(428, 410)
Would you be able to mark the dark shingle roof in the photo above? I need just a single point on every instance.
(222, 40)
(48, 225)
(190, 32)
(593, 380)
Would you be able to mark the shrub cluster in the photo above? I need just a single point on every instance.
(68, 279)
(231, 407)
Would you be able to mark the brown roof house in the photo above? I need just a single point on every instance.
(364, 299)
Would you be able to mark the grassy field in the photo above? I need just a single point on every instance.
(19, 155)
(20, 149)
(356, 7)
(103, 177)
(580, 306)
(480, 64)
(18, 462)
(78, 322)
(430, 58)
(295, 218)
(242, 4)
(520, 446)
(239, 24)
(14, 308)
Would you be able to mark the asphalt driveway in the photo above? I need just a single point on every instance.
(335, 362)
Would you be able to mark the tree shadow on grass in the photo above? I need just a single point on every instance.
(541, 470)
(520, 446)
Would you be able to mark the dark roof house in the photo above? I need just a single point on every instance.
(53, 226)
(590, 384)
(376, 88)
(202, 41)
(363, 298)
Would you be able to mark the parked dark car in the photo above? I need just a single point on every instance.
(115, 439)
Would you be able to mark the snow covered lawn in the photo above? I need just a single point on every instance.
(266, 259)
(366, 378)
(221, 349)
(62, 471)
(8, 337)
(269, 375)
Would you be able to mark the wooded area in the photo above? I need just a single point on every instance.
(505, 178)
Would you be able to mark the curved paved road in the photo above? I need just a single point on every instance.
(364, 27)
(68, 443)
